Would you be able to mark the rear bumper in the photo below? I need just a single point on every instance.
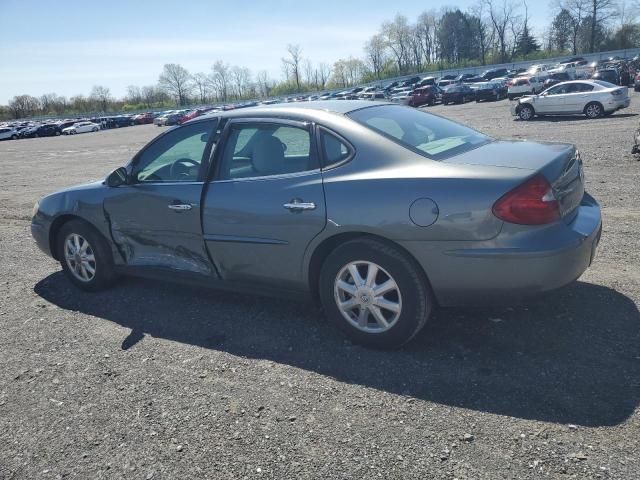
(617, 105)
(520, 262)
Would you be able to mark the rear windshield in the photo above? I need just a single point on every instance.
(424, 133)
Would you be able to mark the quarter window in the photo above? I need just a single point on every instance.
(333, 149)
(176, 156)
(264, 149)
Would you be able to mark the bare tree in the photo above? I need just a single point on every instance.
(396, 34)
(241, 76)
(220, 78)
(176, 81)
(600, 12)
(201, 82)
(376, 51)
(501, 15)
(101, 96)
(47, 102)
(263, 83)
(324, 72)
(291, 64)
(22, 106)
(134, 95)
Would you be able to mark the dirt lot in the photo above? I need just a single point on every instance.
(153, 380)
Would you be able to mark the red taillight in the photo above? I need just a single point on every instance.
(532, 203)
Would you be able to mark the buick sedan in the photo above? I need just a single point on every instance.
(379, 212)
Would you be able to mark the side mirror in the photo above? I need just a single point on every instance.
(117, 177)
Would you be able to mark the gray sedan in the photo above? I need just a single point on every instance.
(380, 212)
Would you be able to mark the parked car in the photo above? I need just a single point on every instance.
(423, 96)
(636, 82)
(554, 79)
(520, 86)
(349, 223)
(539, 71)
(426, 81)
(490, 91)
(376, 95)
(327, 96)
(488, 75)
(8, 133)
(464, 77)
(143, 118)
(445, 83)
(46, 130)
(458, 93)
(81, 127)
(592, 98)
(610, 75)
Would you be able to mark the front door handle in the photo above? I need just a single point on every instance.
(297, 205)
(179, 207)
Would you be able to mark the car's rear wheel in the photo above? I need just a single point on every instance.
(526, 112)
(94, 129)
(375, 293)
(593, 110)
(85, 256)
(14, 137)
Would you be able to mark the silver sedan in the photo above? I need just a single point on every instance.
(377, 211)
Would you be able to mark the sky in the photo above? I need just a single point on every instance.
(67, 46)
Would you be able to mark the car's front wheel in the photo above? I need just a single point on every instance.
(375, 293)
(526, 112)
(85, 256)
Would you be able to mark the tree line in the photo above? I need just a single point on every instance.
(489, 32)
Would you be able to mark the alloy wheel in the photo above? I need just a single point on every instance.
(593, 110)
(80, 257)
(367, 296)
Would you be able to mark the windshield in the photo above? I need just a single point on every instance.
(424, 133)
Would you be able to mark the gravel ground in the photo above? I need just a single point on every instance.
(153, 380)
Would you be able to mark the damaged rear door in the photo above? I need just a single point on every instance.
(156, 219)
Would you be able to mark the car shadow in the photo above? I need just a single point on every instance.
(571, 356)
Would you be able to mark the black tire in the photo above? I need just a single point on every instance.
(105, 274)
(637, 89)
(94, 130)
(14, 137)
(593, 110)
(415, 293)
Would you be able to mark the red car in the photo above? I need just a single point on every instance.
(193, 114)
(143, 118)
(423, 96)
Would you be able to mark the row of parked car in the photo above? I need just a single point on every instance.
(493, 84)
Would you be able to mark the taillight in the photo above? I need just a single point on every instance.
(532, 203)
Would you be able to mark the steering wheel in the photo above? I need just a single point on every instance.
(180, 168)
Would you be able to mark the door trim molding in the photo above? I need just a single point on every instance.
(237, 239)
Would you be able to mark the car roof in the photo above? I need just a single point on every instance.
(340, 107)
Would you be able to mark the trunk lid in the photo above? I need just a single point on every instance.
(560, 164)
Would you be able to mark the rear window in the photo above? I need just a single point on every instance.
(604, 84)
(424, 133)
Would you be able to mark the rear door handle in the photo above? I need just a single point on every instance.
(178, 207)
(297, 205)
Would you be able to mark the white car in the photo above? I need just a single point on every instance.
(592, 98)
(7, 133)
(525, 85)
(541, 71)
(81, 127)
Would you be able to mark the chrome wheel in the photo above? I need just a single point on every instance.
(367, 296)
(80, 257)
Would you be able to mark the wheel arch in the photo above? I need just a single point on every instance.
(329, 244)
(58, 223)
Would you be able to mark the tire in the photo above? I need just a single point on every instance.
(411, 294)
(57, 134)
(593, 110)
(510, 97)
(526, 112)
(94, 129)
(35, 135)
(14, 137)
(104, 273)
(637, 89)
